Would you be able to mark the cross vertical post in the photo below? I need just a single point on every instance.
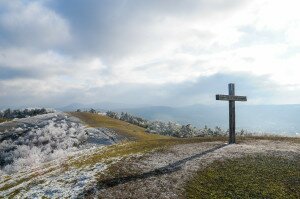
(231, 98)
(231, 115)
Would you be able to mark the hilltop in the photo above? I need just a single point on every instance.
(280, 119)
(120, 160)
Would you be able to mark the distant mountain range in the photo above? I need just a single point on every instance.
(283, 119)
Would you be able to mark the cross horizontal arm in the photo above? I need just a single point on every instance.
(231, 98)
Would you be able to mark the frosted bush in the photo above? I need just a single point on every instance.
(24, 113)
(19, 129)
(166, 128)
(30, 145)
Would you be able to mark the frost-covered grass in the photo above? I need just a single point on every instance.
(31, 143)
(77, 168)
(163, 173)
(52, 180)
(136, 147)
(248, 177)
(82, 160)
(268, 137)
(28, 174)
(27, 146)
(145, 142)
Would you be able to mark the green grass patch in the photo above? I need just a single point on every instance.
(123, 128)
(248, 177)
(17, 182)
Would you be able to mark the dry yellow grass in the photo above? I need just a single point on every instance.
(4, 120)
(143, 142)
(131, 131)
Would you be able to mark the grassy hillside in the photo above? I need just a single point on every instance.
(246, 175)
(131, 131)
(138, 133)
(142, 142)
(257, 176)
(121, 162)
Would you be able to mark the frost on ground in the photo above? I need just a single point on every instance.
(28, 142)
(34, 150)
(164, 174)
(52, 180)
(36, 156)
(160, 174)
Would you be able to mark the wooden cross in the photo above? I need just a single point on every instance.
(231, 98)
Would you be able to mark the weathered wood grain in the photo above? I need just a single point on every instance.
(231, 115)
(231, 97)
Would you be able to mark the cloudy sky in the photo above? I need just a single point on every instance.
(158, 52)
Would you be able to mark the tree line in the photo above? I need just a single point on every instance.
(171, 128)
(22, 113)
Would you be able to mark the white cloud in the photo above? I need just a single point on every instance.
(30, 24)
(51, 71)
(81, 46)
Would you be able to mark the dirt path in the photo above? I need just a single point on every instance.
(163, 174)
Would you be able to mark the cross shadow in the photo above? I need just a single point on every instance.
(173, 167)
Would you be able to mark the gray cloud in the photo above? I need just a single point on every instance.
(31, 25)
(201, 91)
(56, 52)
(12, 73)
(114, 29)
